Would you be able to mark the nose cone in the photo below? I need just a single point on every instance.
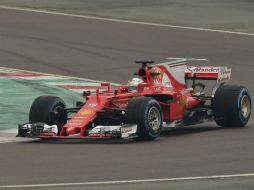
(72, 130)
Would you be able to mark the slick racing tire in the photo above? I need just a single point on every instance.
(49, 110)
(231, 106)
(147, 114)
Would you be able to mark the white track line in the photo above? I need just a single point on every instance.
(129, 181)
(122, 20)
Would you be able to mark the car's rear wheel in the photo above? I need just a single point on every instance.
(231, 106)
(147, 114)
(48, 110)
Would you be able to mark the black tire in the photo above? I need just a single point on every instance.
(231, 106)
(42, 111)
(138, 112)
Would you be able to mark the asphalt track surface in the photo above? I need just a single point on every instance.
(106, 51)
(234, 15)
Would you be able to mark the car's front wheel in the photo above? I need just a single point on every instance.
(147, 114)
(48, 110)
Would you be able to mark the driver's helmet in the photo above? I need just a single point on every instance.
(133, 84)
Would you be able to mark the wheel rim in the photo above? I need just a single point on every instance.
(154, 119)
(245, 106)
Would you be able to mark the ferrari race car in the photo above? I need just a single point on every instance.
(159, 97)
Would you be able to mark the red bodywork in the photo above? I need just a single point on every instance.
(164, 82)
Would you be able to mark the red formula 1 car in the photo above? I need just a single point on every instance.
(158, 97)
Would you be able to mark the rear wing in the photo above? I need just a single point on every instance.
(221, 74)
(181, 71)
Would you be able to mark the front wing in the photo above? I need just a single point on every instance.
(43, 131)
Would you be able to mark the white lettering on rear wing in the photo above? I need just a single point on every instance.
(193, 69)
(224, 75)
(221, 74)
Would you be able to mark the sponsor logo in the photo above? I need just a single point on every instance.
(158, 88)
(158, 75)
(79, 117)
(92, 105)
(121, 105)
(77, 121)
(73, 123)
(203, 69)
(224, 75)
(126, 129)
(86, 112)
